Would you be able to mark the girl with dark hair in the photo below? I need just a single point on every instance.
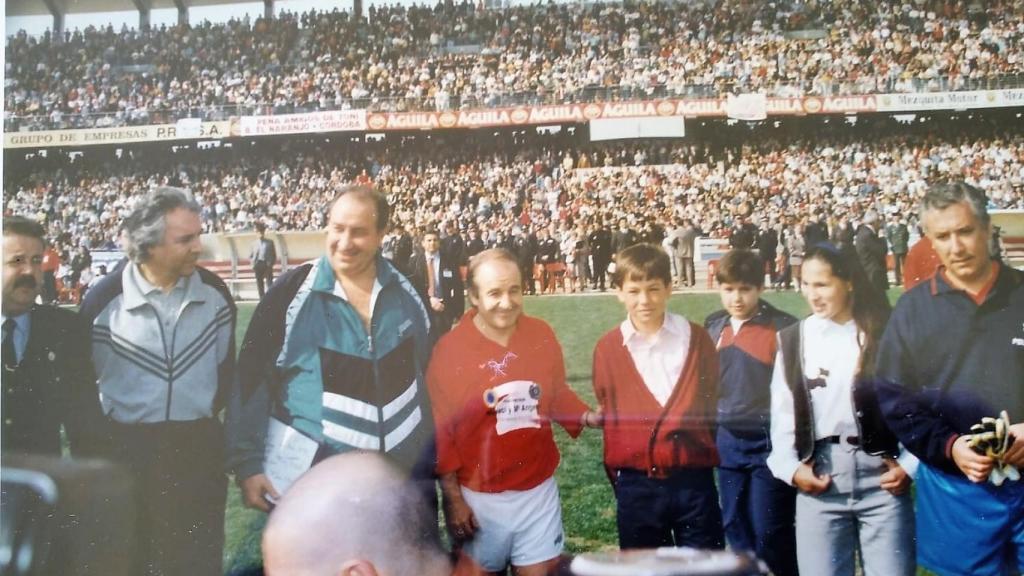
(828, 436)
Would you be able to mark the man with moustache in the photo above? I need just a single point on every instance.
(335, 358)
(48, 379)
(164, 351)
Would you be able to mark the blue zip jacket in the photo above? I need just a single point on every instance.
(308, 360)
(745, 364)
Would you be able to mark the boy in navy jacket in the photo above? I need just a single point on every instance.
(757, 509)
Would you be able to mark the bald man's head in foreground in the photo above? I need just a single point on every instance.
(352, 515)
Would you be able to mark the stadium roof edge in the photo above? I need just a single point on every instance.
(47, 7)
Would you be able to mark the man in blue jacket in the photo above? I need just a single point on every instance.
(335, 356)
(952, 354)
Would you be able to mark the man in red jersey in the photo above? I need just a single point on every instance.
(496, 382)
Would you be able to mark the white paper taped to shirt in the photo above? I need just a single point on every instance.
(515, 406)
(288, 455)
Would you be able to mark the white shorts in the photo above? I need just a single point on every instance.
(522, 527)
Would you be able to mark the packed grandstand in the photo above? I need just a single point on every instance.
(482, 118)
(458, 56)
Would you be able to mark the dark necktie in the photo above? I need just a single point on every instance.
(10, 356)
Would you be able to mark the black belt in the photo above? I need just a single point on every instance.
(851, 440)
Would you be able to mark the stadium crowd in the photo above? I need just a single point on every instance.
(455, 56)
(513, 184)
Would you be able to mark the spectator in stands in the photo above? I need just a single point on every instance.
(392, 60)
(690, 191)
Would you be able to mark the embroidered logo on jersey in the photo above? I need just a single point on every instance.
(499, 369)
(515, 405)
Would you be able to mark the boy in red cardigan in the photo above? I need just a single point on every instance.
(656, 378)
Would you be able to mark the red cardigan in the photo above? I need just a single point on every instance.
(640, 433)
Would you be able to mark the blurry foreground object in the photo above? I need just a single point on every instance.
(62, 517)
(667, 562)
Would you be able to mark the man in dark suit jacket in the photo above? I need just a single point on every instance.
(438, 281)
(454, 246)
(871, 251)
(622, 238)
(48, 379)
(263, 257)
(600, 239)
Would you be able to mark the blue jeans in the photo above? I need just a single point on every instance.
(854, 515)
(759, 511)
(681, 510)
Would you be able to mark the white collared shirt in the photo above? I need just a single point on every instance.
(826, 346)
(832, 348)
(659, 359)
(434, 261)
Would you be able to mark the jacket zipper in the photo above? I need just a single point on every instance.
(168, 362)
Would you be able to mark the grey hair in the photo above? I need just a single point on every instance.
(144, 228)
(942, 196)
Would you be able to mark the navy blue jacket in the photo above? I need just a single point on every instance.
(745, 363)
(946, 362)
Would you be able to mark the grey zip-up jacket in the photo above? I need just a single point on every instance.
(151, 372)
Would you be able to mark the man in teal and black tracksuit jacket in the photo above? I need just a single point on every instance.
(308, 361)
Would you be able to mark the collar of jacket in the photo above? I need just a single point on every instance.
(134, 298)
(325, 279)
